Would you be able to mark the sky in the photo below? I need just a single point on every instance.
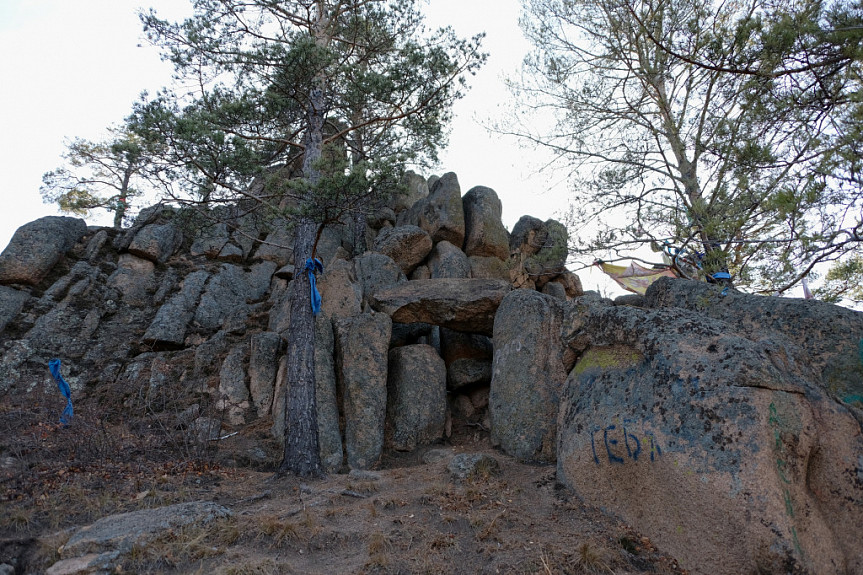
(72, 68)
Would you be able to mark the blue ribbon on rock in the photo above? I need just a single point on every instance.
(313, 265)
(54, 367)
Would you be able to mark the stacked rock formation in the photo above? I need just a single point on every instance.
(403, 340)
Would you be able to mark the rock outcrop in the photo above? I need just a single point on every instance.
(724, 426)
(684, 423)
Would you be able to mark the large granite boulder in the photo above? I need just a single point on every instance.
(465, 305)
(362, 344)
(37, 246)
(156, 242)
(441, 214)
(830, 337)
(716, 446)
(447, 261)
(407, 245)
(376, 272)
(485, 234)
(541, 248)
(416, 397)
(341, 293)
(527, 375)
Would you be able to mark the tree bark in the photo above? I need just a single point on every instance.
(302, 453)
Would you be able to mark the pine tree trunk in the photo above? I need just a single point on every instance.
(302, 454)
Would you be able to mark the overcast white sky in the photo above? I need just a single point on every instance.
(71, 68)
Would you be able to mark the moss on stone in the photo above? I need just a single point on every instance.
(603, 358)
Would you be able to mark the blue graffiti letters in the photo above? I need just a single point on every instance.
(615, 437)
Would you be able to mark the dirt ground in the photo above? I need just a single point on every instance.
(408, 516)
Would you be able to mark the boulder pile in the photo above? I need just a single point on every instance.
(724, 426)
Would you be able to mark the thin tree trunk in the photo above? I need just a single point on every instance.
(122, 200)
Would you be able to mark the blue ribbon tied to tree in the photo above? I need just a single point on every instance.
(313, 265)
(66, 416)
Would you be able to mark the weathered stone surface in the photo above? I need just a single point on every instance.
(231, 253)
(407, 245)
(341, 293)
(528, 235)
(278, 246)
(447, 261)
(37, 246)
(376, 271)
(362, 344)
(416, 397)
(683, 428)
(555, 290)
(94, 246)
(135, 278)
(124, 531)
(488, 268)
(420, 273)
(168, 328)
(71, 282)
(233, 390)
(210, 240)
(229, 290)
(571, 283)
(11, 303)
(279, 320)
(465, 305)
(92, 563)
(440, 214)
(541, 248)
(416, 188)
(465, 465)
(156, 242)
(157, 214)
(830, 337)
(528, 373)
(205, 429)
(209, 353)
(485, 234)
(329, 435)
(263, 366)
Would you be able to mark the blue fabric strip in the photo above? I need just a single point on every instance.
(311, 267)
(54, 367)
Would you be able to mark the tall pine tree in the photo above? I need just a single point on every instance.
(350, 90)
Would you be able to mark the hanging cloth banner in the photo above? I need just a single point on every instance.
(311, 267)
(54, 367)
(634, 277)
